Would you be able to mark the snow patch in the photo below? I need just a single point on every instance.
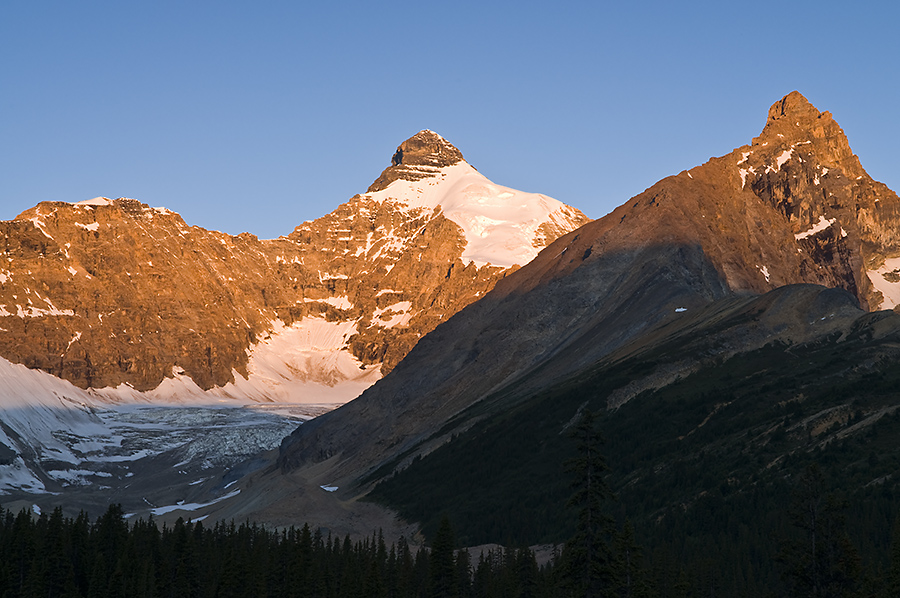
(342, 302)
(818, 227)
(744, 172)
(40, 225)
(93, 227)
(784, 157)
(192, 506)
(30, 311)
(393, 315)
(887, 280)
(74, 339)
(17, 476)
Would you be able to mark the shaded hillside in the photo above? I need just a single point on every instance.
(708, 422)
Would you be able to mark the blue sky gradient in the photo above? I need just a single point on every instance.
(257, 116)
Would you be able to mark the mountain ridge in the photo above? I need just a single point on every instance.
(741, 224)
(97, 263)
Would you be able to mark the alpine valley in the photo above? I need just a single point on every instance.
(730, 326)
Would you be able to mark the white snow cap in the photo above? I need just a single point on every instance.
(500, 224)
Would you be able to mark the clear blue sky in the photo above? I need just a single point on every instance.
(257, 116)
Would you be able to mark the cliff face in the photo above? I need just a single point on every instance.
(110, 292)
(843, 222)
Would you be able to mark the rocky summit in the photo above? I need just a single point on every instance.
(424, 149)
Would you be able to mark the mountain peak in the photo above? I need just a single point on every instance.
(417, 158)
(793, 106)
(794, 121)
(426, 148)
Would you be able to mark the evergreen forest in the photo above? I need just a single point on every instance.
(58, 556)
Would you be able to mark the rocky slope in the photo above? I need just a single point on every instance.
(795, 206)
(106, 293)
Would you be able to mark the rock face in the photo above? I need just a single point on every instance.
(795, 206)
(425, 148)
(110, 292)
(844, 224)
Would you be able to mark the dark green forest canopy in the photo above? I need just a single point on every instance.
(58, 556)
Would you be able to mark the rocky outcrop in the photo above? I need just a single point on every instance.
(424, 149)
(110, 292)
(843, 222)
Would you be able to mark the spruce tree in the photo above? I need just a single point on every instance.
(891, 583)
(820, 562)
(630, 577)
(442, 565)
(587, 567)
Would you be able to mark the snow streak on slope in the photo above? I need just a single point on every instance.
(502, 226)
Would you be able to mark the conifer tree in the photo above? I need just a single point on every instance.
(893, 580)
(821, 562)
(587, 567)
(442, 566)
(630, 577)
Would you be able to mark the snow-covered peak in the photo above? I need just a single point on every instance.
(502, 226)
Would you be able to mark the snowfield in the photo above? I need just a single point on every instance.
(501, 225)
